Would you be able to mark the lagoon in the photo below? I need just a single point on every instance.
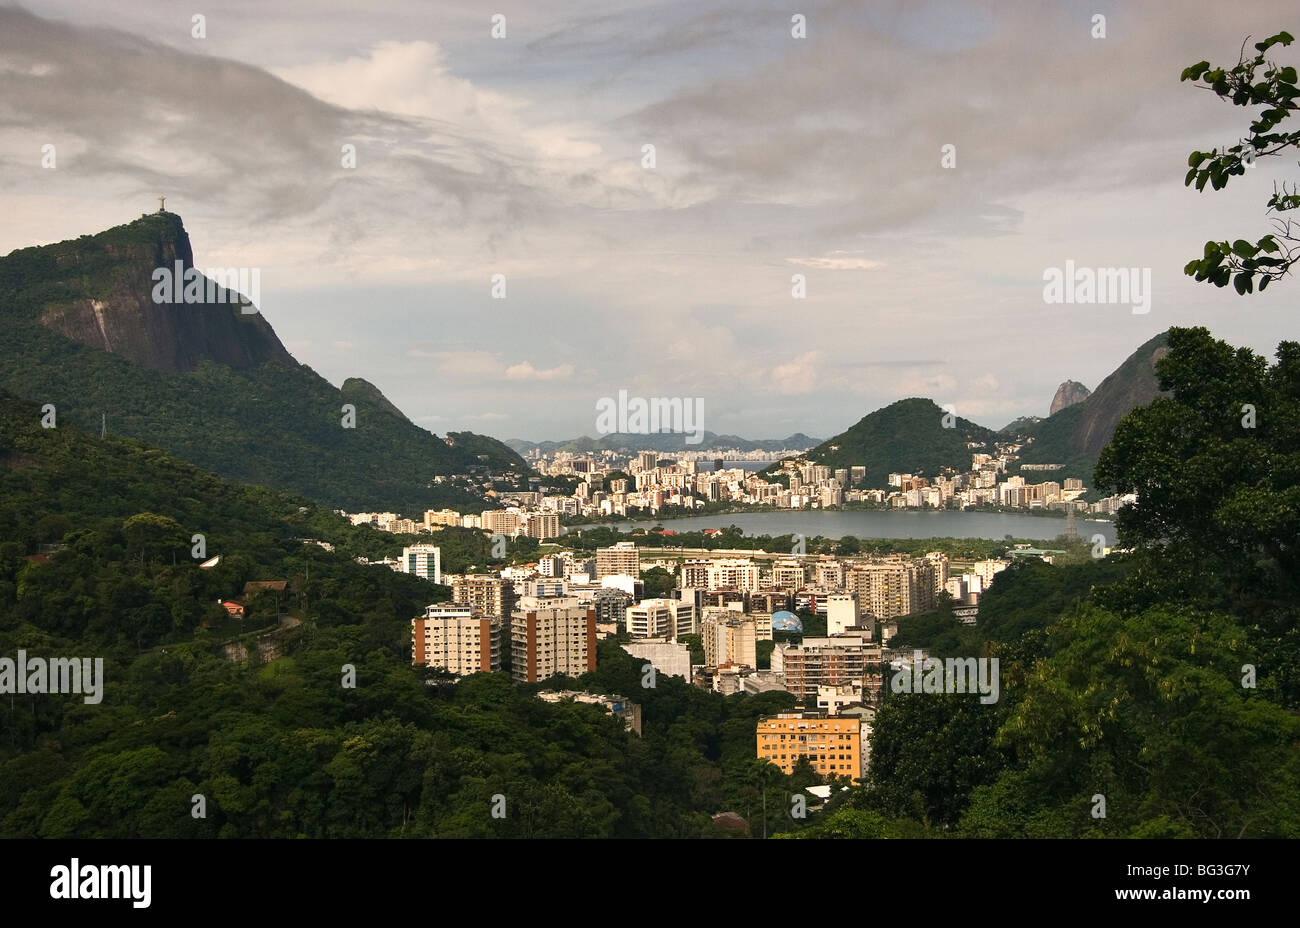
(890, 523)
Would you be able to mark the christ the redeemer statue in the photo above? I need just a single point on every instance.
(160, 204)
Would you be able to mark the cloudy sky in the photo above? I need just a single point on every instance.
(774, 156)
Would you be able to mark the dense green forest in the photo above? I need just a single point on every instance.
(277, 745)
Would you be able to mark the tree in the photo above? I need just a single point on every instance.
(658, 582)
(1272, 256)
(1216, 469)
(149, 533)
(1216, 464)
(1147, 711)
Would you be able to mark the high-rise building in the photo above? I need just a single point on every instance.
(832, 744)
(502, 522)
(828, 661)
(647, 460)
(484, 592)
(542, 525)
(788, 575)
(729, 638)
(621, 558)
(423, 561)
(694, 574)
(611, 605)
(458, 638)
(550, 636)
(661, 618)
(895, 586)
(733, 574)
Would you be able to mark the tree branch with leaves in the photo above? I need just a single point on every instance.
(1241, 262)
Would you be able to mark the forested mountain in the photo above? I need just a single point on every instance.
(908, 436)
(81, 331)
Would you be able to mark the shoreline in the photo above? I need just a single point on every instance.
(768, 510)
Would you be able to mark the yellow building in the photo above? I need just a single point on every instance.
(832, 745)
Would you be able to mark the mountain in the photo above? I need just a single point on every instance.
(666, 442)
(209, 380)
(907, 436)
(1075, 436)
(1019, 425)
(1067, 394)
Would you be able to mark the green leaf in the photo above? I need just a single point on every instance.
(1242, 283)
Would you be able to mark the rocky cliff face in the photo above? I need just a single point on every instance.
(1067, 394)
(104, 290)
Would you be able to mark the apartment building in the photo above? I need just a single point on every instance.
(508, 522)
(550, 636)
(487, 593)
(694, 575)
(832, 745)
(661, 618)
(434, 517)
(610, 605)
(729, 638)
(423, 561)
(829, 661)
(733, 574)
(788, 575)
(621, 558)
(894, 586)
(457, 638)
(542, 525)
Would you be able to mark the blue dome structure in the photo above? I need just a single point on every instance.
(784, 621)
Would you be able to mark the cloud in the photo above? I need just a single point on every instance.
(839, 261)
(526, 371)
(798, 376)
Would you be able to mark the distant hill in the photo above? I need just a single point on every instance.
(1067, 394)
(79, 329)
(1075, 435)
(664, 442)
(1019, 425)
(906, 436)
